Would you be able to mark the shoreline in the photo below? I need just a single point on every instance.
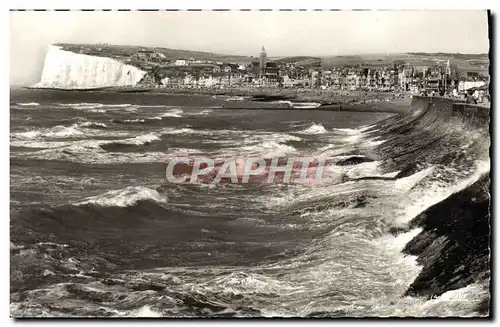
(324, 97)
(262, 93)
(282, 99)
(269, 98)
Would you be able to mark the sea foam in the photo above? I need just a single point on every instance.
(125, 197)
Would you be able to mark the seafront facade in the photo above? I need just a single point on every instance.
(439, 78)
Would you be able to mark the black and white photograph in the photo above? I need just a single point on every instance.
(250, 164)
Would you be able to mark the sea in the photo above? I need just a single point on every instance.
(96, 229)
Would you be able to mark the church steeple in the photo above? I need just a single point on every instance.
(262, 62)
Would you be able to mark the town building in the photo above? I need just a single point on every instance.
(181, 62)
(262, 62)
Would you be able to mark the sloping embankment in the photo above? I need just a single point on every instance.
(454, 245)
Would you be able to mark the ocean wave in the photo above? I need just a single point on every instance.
(122, 105)
(299, 105)
(54, 132)
(173, 113)
(26, 135)
(285, 137)
(94, 154)
(305, 104)
(125, 197)
(94, 105)
(313, 129)
(432, 192)
(236, 98)
(91, 150)
(181, 131)
(28, 104)
(269, 149)
(99, 107)
(144, 312)
(39, 144)
(138, 140)
(87, 128)
(245, 283)
(365, 169)
(347, 131)
(90, 124)
(64, 131)
(138, 120)
(203, 112)
(288, 102)
(82, 105)
(154, 106)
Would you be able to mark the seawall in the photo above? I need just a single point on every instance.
(449, 107)
(453, 248)
(73, 71)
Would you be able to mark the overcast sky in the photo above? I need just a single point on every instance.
(244, 33)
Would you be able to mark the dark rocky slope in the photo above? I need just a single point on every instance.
(453, 247)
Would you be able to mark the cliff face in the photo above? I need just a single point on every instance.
(69, 70)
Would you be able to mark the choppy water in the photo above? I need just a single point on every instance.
(97, 231)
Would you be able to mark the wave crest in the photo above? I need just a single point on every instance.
(126, 197)
(28, 104)
(269, 149)
(87, 128)
(173, 113)
(313, 129)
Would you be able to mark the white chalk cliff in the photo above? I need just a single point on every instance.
(69, 70)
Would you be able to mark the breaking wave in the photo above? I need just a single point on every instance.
(87, 129)
(269, 149)
(138, 140)
(125, 197)
(90, 124)
(28, 104)
(138, 120)
(300, 105)
(314, 129)
(82, 105)
(306, 105)
(55, 132)
(173, 113)
(347, 131)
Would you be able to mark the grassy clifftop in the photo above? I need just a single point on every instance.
(125, 51)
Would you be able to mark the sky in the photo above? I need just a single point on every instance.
(315, 33)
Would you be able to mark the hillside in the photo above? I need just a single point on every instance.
(125, 51)
(479, 62)
(301, 60)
